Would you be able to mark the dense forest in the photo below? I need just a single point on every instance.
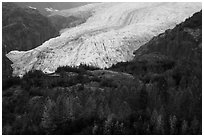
(158, 92)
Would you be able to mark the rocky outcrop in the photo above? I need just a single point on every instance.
(110, 35)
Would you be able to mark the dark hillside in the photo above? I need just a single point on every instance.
(22, 29)
(182, 42)
(171, 65)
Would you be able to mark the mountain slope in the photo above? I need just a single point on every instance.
(23, 29)
(182, 42)
(174, 57)
(110, 35)
(46, 8)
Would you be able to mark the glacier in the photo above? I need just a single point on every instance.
(111, 33)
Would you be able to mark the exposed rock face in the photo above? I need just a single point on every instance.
(110, 35)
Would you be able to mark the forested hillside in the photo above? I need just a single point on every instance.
(170, 65)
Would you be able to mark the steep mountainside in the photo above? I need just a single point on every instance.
(181, 46)
(47, 8)
(110, 35)
(171, 64)
(182, 42)
(23, 29)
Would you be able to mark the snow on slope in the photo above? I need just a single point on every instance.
(110, 35)
(51, 10)
(32, 7)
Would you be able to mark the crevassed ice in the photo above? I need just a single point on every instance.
(110, 35)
